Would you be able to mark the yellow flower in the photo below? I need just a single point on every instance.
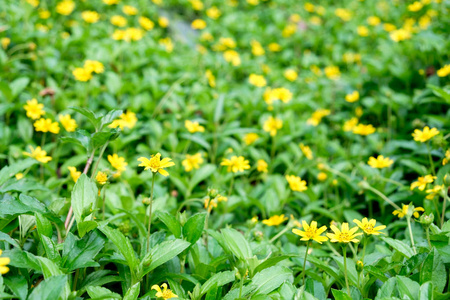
(400, 35)
(282, 94)
(322, 176)
(90, 16)
(404, 211)
(306, 150)
(210, 203)
(44, 14)
(235, 164)
(197, 4)
(33, 3)
(362, 31)
(316, 70)
(289, 30)
(5, 42)
(369, 226)
(296, 183)
(416, 6)
(275, 220)
(167, 43)
(126, 120)
(46, 125)
(65, 7)
(117, 162)
(373, 21)
(317, 116)
(193, 127)
(3, 262)
(332, 72)
(198, 24)
(362, 129)
(68, 123)
(163, 22)
(380, 162)
(343, 14)
(389, 27)
(232, 57)
(250, 138)
(34, 109)
(165, 293)
(38, 154)
(19, 176)
(101, 178)
(422, 182)
(444, 71)
(344, 235)
(129, 10)
(425, 135)
(257, 80)
(192, 162)
(119, 21)
(350, 124)
(156, 164)
(257, 49)
(74, 173)
(94, 66)
(211, 78)
(353, 97)
(311, 232)
(272, 125)
(261, 166)
(446, 158)
(146, 23)
(110, 2)
(274, 47)
(81, 74)
(213, 13)
(290, 74)
(434, 191)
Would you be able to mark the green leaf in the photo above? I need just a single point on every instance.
(79, 137)
(433, 270)
(218, 112)
(340, 295)
(123, 245)
(22, 259)
(110, 117)
(18, 85)
(325, 267)
(272, 261)
(387, 289)
(162, 253)
(440, 92)
(11, 170)
(97, 292)
(352, 274)
(171, 222)
(6, 238)
(315, 288)
(50, 288)
(133, 292)
(18, 285)
(43, 225)
(270, 279)
(98, 278)
(400, 246)
(92, 117)
(200, 175)
(50, 248)
(236, 243)
(85, 227)
(84, 197)
(217, 280)
(193, 228)
(10, 205)
(426, 291)
(81, 253)
(407, 287)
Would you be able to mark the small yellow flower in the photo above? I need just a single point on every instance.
(117, 162)
(353, 97)
(3, 262)
(343, 14)
(344, 235)
(422, 182)
(446, 159)
(198, 24)
(129, 10)
(19, 176)
(272, 125)
(74, 173)
(317, 116)
(261, 166)
(404, 211)
(94, 66)
(68, 123)
(210, 203)
(306, 150)
(110, 2)
(362, 129)
(425, 134)
(65, 7)
(46, 125)
(5, 42)
(369, 226)
(380, 162)
(213, 12)
(296, 183)
(156, 164)
(81, 74)
(322, 176)
(389, 27)
(34, 109)
(232, 57)
(257, 49)
(444, 71)
(165, 293)
(311, 232)
(257, 80)
(126, 120)
(350, 124)
(290, 74)
(163, 22)
(211, 78)
(274, 47)
(250, 138)
(400, 35)
(432, 193)
(167, 43)
(38, 154)
(332, 72)
(146, 23)
(362, 31)
(34, 3)
(235, 164)
(373, 21)
(197, 4)
(289, 30)
(416, 6)
(193, 127)
(192, 162)
(101, 178)
(90, 16)
(282, 94)
(275, 220)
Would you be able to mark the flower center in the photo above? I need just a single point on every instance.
(368, 228)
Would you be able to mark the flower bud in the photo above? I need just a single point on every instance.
(426, 220)
(359, 266)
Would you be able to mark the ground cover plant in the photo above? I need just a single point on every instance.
(224, 149)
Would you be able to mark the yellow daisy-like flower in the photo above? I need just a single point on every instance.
(81, 74)
(74, 173)
(213, 13)
(101, 178)
(444, 71)
(425, 134)
(117, 162)
(46, 125)
(257, 48)
(296, 183)
(235, 164)
(363, 129)
(353, 97)
(404, 211)
(146, 23)
(274, 47)
(165, 293)
(350, 124)
(257, 80)
(380, 162)
(369, 226)
(65, 7)
(261, 166)
(68, 123)
(434, 191)
(198, 24)
(34, 109)
(3, 262)
(362, 31)
(422, 182)
(272, 125)
(232, 57)
(38, 154)
(163, 22)
(317, 116)
(126, 120)
(250, 138)
(192, 162)
(446, 159)
(129, 10)
(5, 42)
(416, 6)
(306, 150)
(156, 164)
(344, 235)
(275, 220)
(193, 127)
(400, 35)
(373, 20)
(290, 74)
(110, 2)
(311, 232)
(19, 176)
(332, 72)
(94, 66)
(118, 21)
(211, 78)
(322, 176)
(90, 16)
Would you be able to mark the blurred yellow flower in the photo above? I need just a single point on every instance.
(343, 235)
(38, 154)
(117, 162)
(400, 35)
(163, 22)
(404, 211)
(167, 43)
(250, 138)
(146, 23)
(353, 97)
(362, 31)
(389, 27)
(274, 47)
(322, 176)
(444, 71)
(46, 125)
(362, 129)
(211, 78)
(289, 30)
(5, 42)
(432, 193)
(156, 164)
(261, 166)
(369, 226)
(446, 159)
(296, 183)
(165, 293)
(34, 109)
(257, 48)
(275, 220)
(44, 14)
(343, 14)
(380, 162)
(118, 21)
(110, 2)
(416, 6)
(317, 116)
(68, 123)
(213, 13)
(101, 178)
(306, 150)
(192, 162)
(290, 74)
(126, 120)
(350, 124)
(74, 173)
(425, 134)
(235, 164)
(129, 10)
(198, 24)
(34, 3)
(65, 7)
(197, 4)
(373, 20)
(193, 127)
(206, 36)
(311, 232)
(272, 125)
(309, 7)
(90, 16)
(19, 176)
(94, 66)
(3, 262)
(232, 57)
(253, 2)
(257, 80)
(422, 182)
(81, 74)
(332, 72)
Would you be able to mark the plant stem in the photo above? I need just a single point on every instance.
(345, 270)
(367, 186)
(444, 206)
(304, 261)
(364, 247)
(231, 186)
(431, 159)
(280, 234)
(150, 212)
(408, 219)
(427, 231)
(241, 284)
(98, 159)
(103, 205)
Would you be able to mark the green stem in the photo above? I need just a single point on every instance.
(345, 270)
(436, 206)
(367, 186)
(364, 247)
(444, 206)
(98, 159)
(431, 159)
(231, 186)
(272, 151)
(280, 234)
(408, 219)
(150, 212)
(427, 231)
(304, 262)
(241, 284)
